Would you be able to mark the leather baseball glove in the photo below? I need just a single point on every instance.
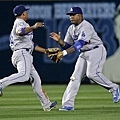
(55, 54)
(52, 50)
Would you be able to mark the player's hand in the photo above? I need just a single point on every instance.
(55, 36)
(38, 24)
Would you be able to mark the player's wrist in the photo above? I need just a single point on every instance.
(64, 52)
(46, 51)
(59, 40)
(33, 27)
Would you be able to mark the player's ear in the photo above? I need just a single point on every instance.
(23, 14)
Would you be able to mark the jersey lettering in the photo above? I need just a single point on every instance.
(75, 36)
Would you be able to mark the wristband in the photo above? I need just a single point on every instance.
(64, 52)
(66, 46)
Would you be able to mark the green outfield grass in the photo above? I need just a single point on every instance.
(92, 103)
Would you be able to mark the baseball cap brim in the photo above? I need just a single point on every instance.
(27, 9)
(71, 13)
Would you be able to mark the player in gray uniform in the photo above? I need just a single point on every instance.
(82, 37)
(22, 46)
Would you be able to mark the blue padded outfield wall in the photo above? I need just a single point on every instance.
(53, 14)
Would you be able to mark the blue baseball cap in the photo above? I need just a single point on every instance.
(74, 10)
(19, 9)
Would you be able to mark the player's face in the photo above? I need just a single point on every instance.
(76, 18)
(25, 15)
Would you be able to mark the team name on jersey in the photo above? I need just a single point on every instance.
(75, 36)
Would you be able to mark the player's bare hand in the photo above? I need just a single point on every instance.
(55, 36)
(38, 24)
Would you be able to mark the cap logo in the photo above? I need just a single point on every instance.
(71, 9)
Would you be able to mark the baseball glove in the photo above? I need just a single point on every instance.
(50, 51)
(56, 57)
(55, 54)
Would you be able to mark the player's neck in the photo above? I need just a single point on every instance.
(20, 17)
(76, 24)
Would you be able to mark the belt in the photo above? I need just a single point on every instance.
(90, 49)
(27, 49)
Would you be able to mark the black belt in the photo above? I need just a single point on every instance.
(27, 49)
(90, 49)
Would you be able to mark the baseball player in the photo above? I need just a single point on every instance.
(22, 46)
(82, 37)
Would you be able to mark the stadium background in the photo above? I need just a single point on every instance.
(100, 14)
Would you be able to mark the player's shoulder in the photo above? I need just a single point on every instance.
(83, 24)
(71, 26)
(86, 23)
(20, 22)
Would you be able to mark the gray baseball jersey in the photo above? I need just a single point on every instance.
(83, 31)
(18, 42)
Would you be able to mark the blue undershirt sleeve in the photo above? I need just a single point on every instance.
(66, 46)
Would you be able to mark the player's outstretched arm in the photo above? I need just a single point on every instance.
(47, 51)
(40, 49)
(75, 47)
(26, 30)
